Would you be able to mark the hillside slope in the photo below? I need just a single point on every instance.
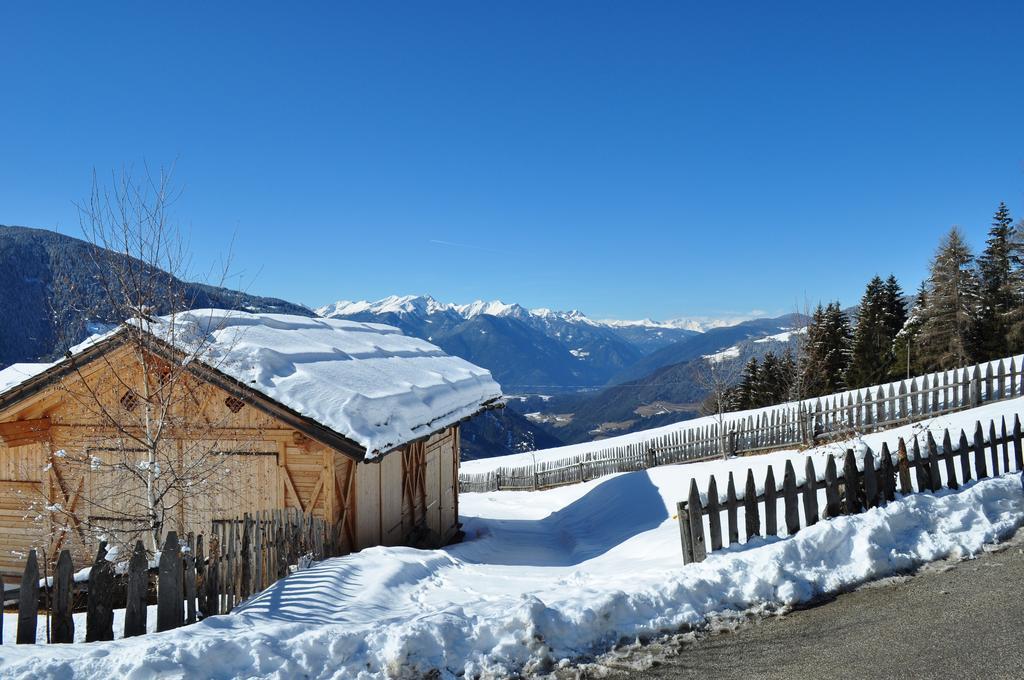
(709, 342)
(667, 395)
(43, 273)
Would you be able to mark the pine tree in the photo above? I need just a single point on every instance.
(788, 387)
(746, 391)
(997, 281)
(872, 342)
(905, 351)
(811, 377)
(947, 337)
(766, 379)
(894, 306)
(827, 351)
(776, 377)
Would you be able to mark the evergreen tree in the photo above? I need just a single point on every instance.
(768, 379)
(895, 307)
(872, 342)
(747, 388)
(789, 369)
(906, 359)
(781, 382)
(950, 316)
(811, 377)
(827, 351)
(997, 282)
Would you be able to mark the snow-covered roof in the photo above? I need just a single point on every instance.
(15, 374)
(364, 381)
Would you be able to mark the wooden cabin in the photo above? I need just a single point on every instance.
(353, 422)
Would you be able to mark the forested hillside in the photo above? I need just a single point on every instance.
(52, 296)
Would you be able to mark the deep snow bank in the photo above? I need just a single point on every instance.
(564, 576)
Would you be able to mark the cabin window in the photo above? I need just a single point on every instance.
(129, 400)
(234, 403)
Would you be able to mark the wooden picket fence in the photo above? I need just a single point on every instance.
(862, 484)
(790, 425)
(192, 580)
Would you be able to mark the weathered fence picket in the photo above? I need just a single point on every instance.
(195, 578)
(99, 616)
(867, 481)
(63, 623)
(136, 593)
(28, 602)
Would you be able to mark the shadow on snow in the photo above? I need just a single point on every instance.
(608, 515)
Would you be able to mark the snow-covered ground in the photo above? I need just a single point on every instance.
(547, 577)
(11, 625)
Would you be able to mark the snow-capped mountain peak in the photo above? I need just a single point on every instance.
(697, 324)
(421, 306)
(425, 305)
(418, 305)
(492, 308)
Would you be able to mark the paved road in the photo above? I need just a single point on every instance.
(951, 620)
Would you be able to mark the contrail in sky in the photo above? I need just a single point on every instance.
(470, 246)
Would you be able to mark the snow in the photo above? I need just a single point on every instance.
(697, 324)
(420, 305)
(10, 632)
(785, 336)
(393, 304)
(542, 577)
(365, 381)
(735, 351)
(423, 305)
(728, 353)
(16, 374)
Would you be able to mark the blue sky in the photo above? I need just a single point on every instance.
(628, 159)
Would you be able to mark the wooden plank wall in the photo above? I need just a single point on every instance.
(408, 490)
(368, 504)
(268, 465)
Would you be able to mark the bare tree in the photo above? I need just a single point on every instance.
(717, 376)
(144, 432)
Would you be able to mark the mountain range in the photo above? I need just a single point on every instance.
(576, 377)
(526, 350)
(570, 377)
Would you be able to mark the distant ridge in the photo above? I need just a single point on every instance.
(32, 264)
(425, 305)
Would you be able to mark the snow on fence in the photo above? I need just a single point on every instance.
(246, 555)
(860, 485)
(792, 424)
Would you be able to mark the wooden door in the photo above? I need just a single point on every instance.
(447, 464)
(433, 489)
